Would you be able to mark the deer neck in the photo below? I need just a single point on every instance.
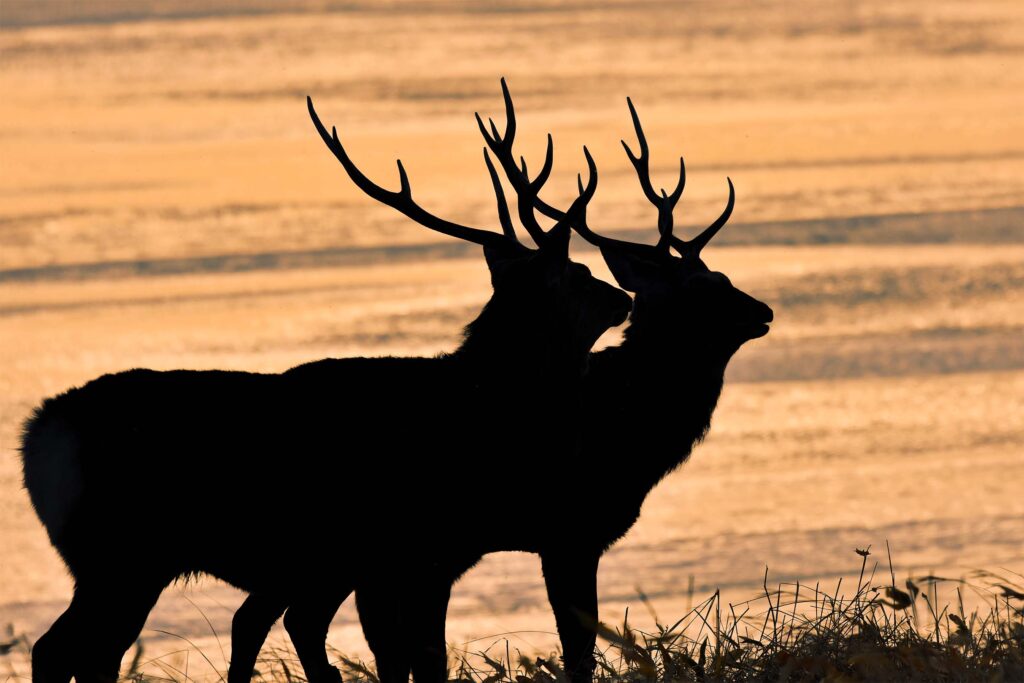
(676, 379)
(659, 387)
(500, 350)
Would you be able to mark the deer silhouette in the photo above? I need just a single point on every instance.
(646, 404)
(663, 381)
(260, 610)
(142, 477)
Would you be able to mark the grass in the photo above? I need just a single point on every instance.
(878, 631)
(794, 632)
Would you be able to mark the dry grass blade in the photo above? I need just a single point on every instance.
(794, 632)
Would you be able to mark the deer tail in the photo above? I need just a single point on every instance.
(52, 468)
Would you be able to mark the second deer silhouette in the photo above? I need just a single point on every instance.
(663, 381)
(647, 403)
(143, 477)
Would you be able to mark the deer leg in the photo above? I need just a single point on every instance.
(307, 622)
(53, 655)
(107, 620)
(383, 618)
(430, 656)
(571, 580)
(249, 629)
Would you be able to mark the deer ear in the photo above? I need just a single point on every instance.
(633, 273)
(501, 260)
(555, 254)
(556, 243)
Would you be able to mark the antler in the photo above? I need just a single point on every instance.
(518, 175)
(503, 215)
(579, 219)
(666, 203)
(403, 201)
(693, 247)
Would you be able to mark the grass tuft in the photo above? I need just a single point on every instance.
(789, 632)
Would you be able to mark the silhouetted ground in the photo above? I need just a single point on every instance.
(885, 631)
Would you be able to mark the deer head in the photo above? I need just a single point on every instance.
(542, 301)
(678, 298)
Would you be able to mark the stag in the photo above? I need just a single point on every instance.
(666, 375)
(142, 477)
(646, 404)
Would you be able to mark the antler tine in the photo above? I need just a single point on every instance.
(549, 157)
(526, 190)
(494, 138)
(694, 246)
(664, 224)
(510, 113)
(642, 162)
(401, 200)
(503, 214)
(578, 210)
(665, 202)
(577, 216)
(542, 177)
(591, 187)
